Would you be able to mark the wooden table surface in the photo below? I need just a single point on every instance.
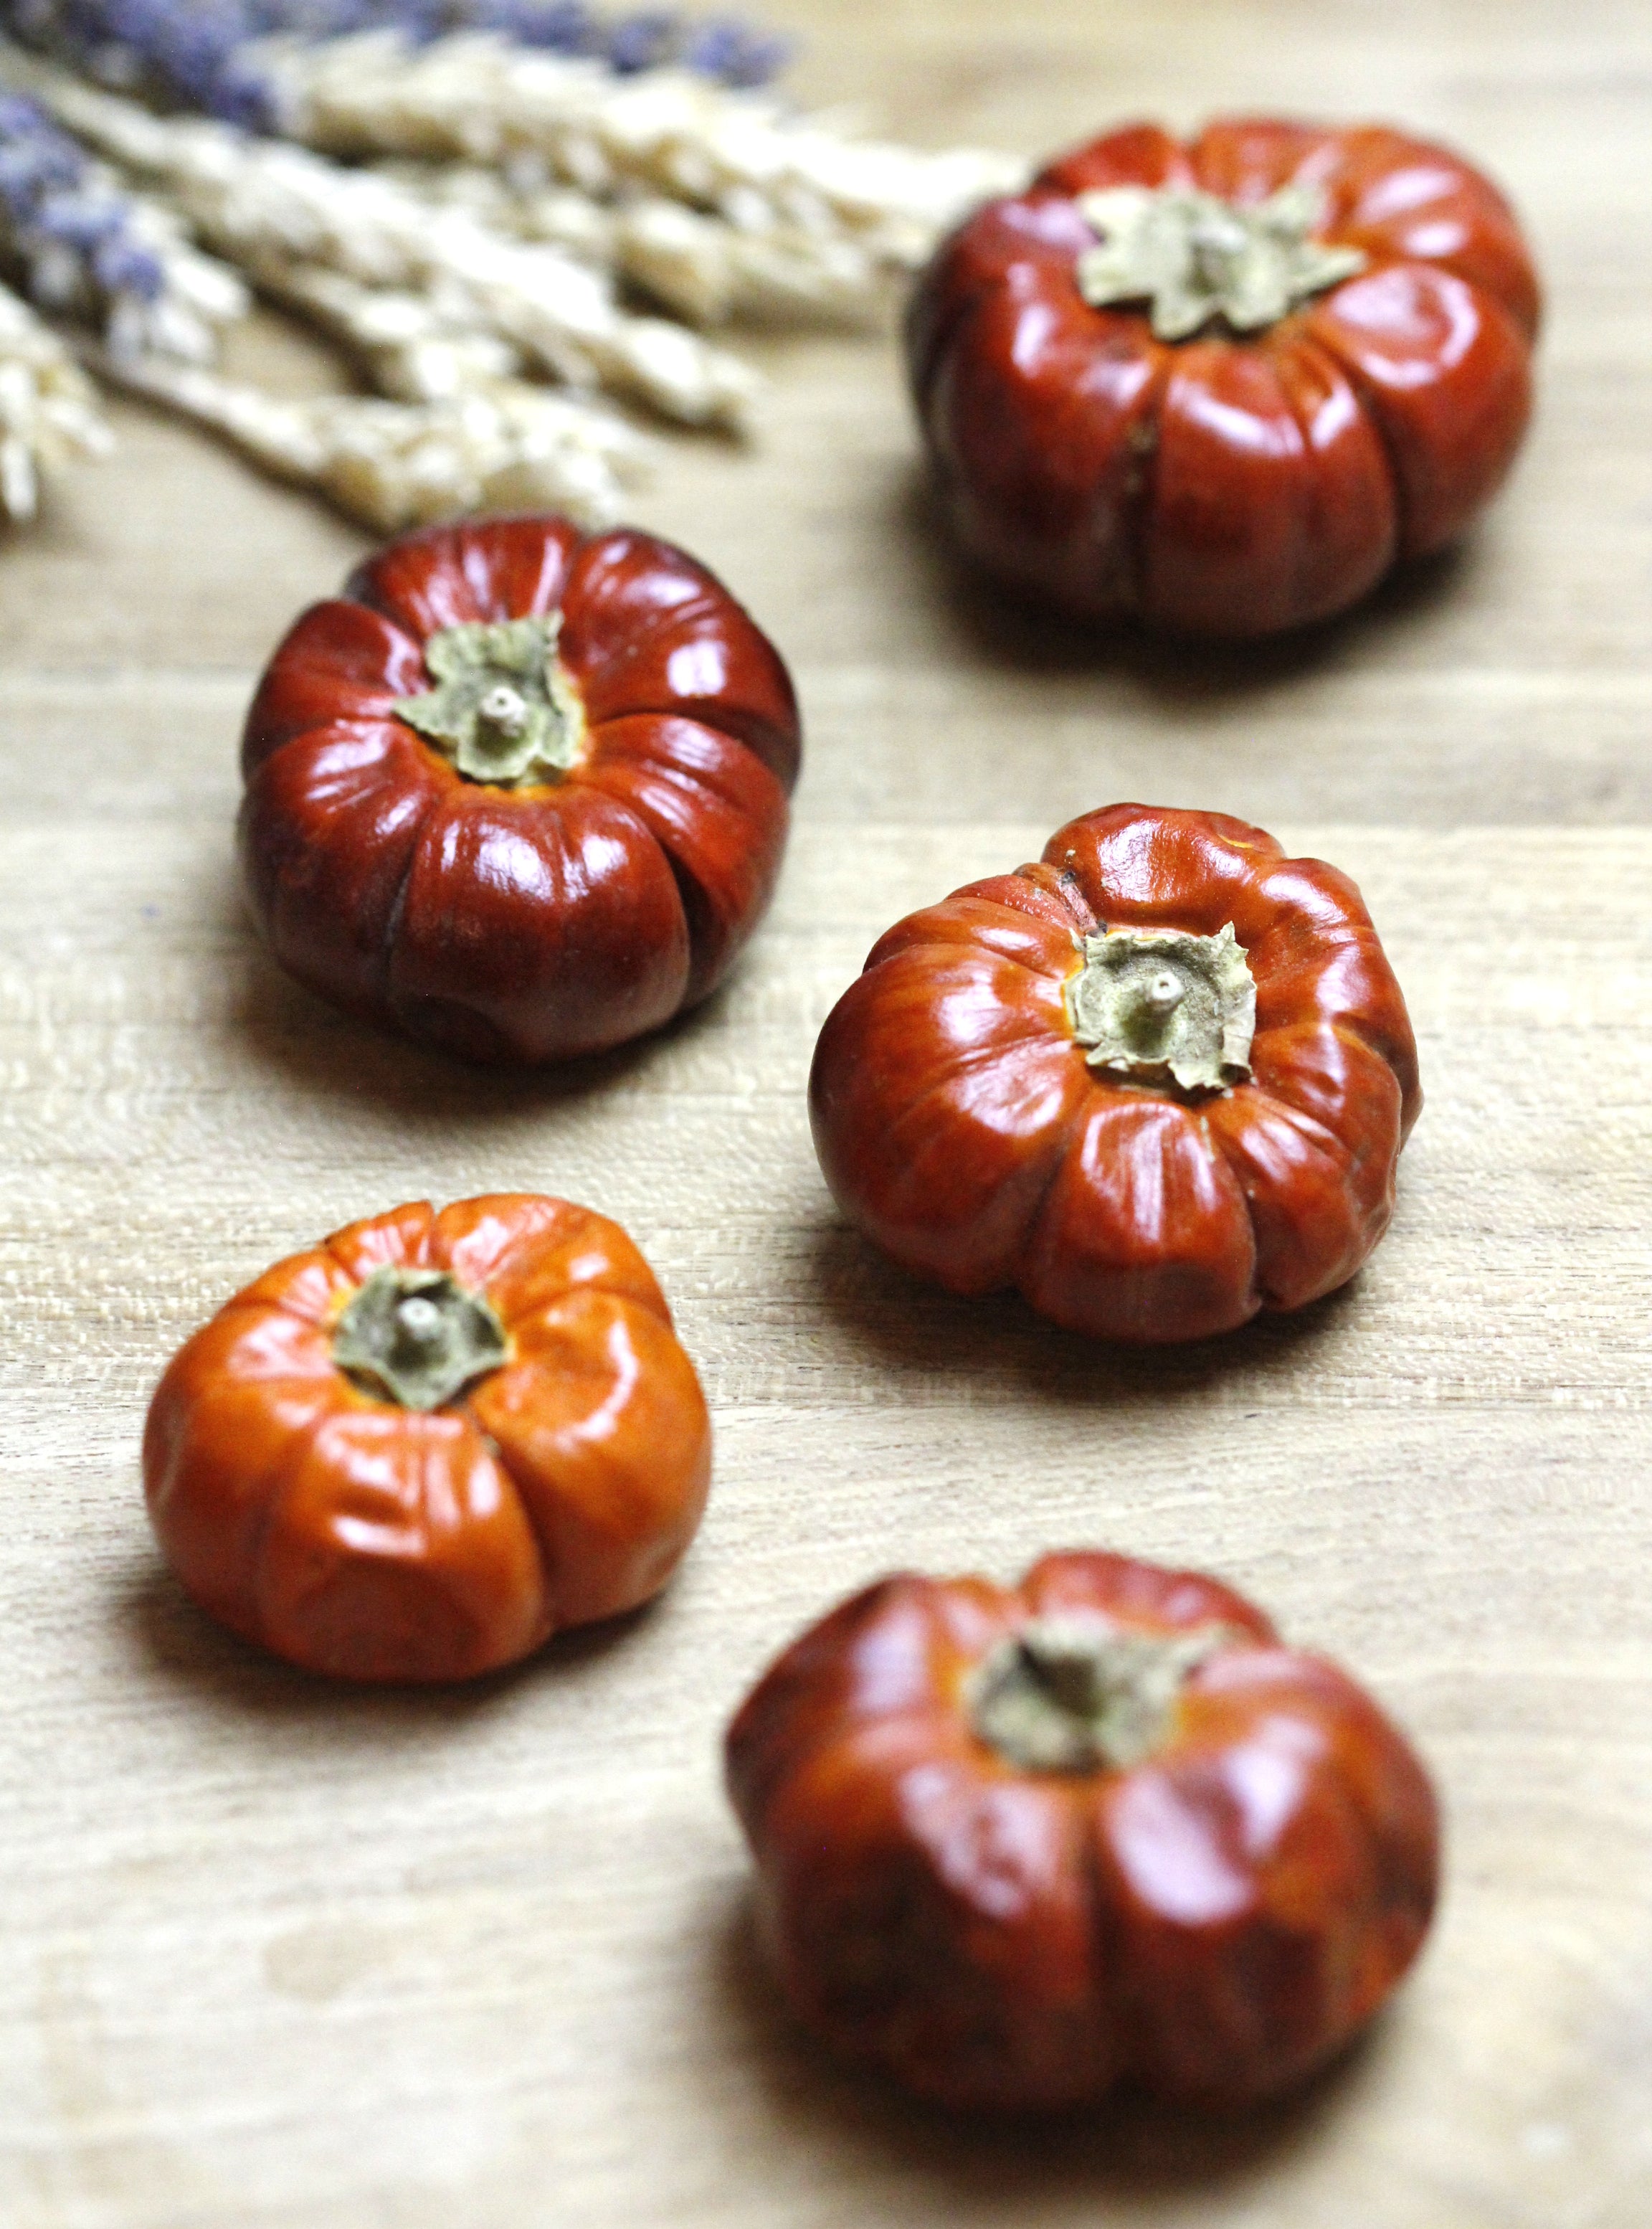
(274, 1953)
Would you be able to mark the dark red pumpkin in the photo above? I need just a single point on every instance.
(550, 877)
(1105, 434)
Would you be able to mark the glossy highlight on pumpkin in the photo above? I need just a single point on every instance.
(1228, 483)
(959, 1124)
(1213, 1921)
(304, 1507)
(520, 924)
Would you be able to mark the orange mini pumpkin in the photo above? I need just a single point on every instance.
(1014, 1845)
(417, 1451)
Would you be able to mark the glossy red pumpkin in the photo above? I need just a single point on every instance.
(961, 1124)
(1228, 482)
(561, 916)
(1213, 1916)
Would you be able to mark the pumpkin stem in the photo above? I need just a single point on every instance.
(1072, 1694)
(1162, 1005)
(504, 710)
(416, 1337)
(1193, 257)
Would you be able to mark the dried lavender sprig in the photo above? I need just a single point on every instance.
(48, 409)
(202, 54)
(92, 250)
(260, 204)
(393, 464)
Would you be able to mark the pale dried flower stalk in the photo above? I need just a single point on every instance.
(48, 409)
(409, 351)
(261, 204)
(414, 355)
(698, 264)
(473, 95)
(394, 465)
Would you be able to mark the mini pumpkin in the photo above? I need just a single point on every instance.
(1225, 386)
(416, 1451)
(521, 793)
(1157, 1081)
(1015, 1845)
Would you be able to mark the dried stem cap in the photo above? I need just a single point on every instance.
(1069, 1694)
(1162, 1006)
(1191, 257)
(504, 710)
(418, 1337)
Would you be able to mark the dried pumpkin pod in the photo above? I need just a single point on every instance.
(520, 791)
(1015, 1845)
(1156, 1081)
(1225, 386)
(419, 1448)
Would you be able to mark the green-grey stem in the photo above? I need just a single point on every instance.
(1165, 1006)
(1191, 257)
(504, 709)
(1070, 1694)
(417, 1337)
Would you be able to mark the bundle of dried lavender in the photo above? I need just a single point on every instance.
(629, 153)
(265, 206)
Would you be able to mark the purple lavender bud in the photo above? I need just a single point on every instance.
(77, 223)
(641, 41)
(561, 27)
(126, 266)
(19, 117)
(31, 169)
(760, 60)
(242, 96)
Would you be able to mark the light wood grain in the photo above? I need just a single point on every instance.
(280, 1956)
